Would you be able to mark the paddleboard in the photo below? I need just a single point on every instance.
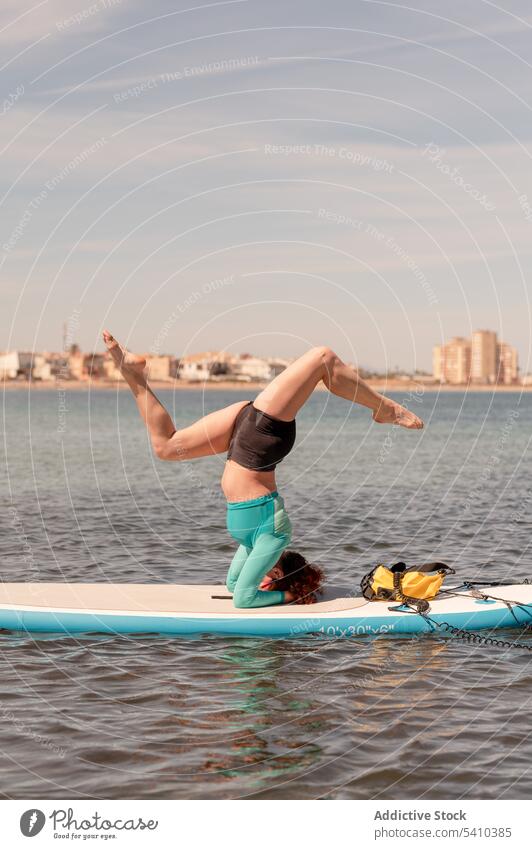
(193, 609)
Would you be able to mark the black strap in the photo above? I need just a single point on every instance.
(421, 605)
(432, 567)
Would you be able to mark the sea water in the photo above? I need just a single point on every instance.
(369, 717)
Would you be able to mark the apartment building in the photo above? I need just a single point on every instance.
(508, 368)
(481, 360)
(452, 362)
(484, 356)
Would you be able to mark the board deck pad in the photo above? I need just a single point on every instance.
(153, 598)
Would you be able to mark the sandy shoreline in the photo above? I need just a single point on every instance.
(245, 388)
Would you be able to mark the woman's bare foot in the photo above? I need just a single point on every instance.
(124, 360)
(390, 412)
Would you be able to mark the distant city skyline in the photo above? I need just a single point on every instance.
(266, 177)
(262, 350)
(482, 358)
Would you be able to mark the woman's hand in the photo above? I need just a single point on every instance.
(288, 597)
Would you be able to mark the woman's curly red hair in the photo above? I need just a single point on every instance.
(300, 577)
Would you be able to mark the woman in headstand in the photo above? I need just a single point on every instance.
(256, 436)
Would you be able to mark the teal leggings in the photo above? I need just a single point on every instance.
(263, 529)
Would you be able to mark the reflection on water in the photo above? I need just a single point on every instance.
(308, 717)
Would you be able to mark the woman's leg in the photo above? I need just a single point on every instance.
(287, 393)
(209, 435)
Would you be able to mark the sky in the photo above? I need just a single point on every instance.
(266, 176)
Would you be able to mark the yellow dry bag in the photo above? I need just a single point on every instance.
(403, 583)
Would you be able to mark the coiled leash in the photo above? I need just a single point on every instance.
(422, 608)
(479, 639)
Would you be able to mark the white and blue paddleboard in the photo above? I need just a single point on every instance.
(190, 609)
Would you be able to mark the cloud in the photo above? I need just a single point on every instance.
(27, 22)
